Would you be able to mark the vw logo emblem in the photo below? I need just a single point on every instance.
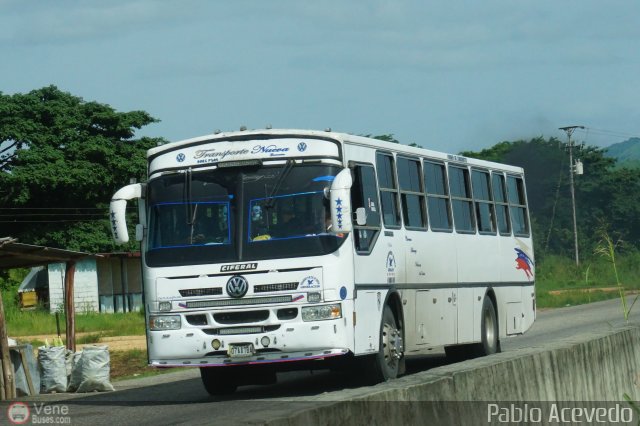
(180, 157)
(302, 147)
(237, 286)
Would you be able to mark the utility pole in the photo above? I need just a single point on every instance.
(569, 131)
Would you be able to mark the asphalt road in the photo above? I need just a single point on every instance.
(179, 398)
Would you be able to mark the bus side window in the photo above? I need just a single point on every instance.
(411, 193)
(502, 207)
(485, 215)
(438, 203)
(364, 193)
(460, 189)
(388, 190)
(518, 206)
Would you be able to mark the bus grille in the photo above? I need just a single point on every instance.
(228, 331)
(263, 288)
(193, 292)
(198, 319)
(242, 317)
(237, 302)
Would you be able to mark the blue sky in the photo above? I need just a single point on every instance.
(449, 76)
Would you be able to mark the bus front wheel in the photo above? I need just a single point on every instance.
(385, 365)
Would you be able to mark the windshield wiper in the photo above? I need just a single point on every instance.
(187, 189)
(283, 174)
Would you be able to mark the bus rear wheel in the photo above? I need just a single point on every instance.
(386, 364)
(490, 343)
(217, 382)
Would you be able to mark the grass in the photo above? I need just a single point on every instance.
(574, 285)
(40, 321)
(86, 339)
(132, 363)
(607, 248)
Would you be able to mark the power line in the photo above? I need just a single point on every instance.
(53, 221)
(57, 211)
(105, 214)
(603, 132)
(54, 208)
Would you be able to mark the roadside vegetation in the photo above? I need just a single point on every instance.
(559, 282)
(131, 364)
(91, 326)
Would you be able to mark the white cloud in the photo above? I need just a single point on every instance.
(71, 22)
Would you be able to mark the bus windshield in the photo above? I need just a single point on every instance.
(194, 217)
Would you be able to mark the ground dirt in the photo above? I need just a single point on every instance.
(115, 343)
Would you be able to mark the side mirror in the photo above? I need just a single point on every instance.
(118, 209)
(340, 200)
(361, 216)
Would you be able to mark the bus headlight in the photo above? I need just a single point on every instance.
(164, 306)
(321, 312)
(164, 322)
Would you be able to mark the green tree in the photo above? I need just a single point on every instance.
(61, 159)
(604, 194)
(389, 137)
(496, 153)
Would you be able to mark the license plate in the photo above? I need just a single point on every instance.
(241, 350)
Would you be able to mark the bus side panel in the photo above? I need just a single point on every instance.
(515, 304)
(517, 256)
(481, 259)
(469, 307)
(528, 300)
(479, 293)
(368, 314)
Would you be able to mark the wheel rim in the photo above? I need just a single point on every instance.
(391, 345)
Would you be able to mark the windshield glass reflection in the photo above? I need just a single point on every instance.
(239, 214)
(288, 216)
(190, 224)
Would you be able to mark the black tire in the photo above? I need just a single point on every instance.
(386, 364)
(217, 382)
(489, 329)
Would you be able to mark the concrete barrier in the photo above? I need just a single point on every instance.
(595, 367)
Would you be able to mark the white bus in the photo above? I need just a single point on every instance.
(273, 249)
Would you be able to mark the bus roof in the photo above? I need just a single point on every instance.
(345, 138)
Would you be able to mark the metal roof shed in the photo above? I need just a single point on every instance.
(18, 255)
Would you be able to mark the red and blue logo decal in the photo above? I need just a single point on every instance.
(524, 263)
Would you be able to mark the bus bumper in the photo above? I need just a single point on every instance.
(268, 358)
(292, 341)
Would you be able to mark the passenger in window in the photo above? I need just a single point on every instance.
(203, 231)
(290, 224)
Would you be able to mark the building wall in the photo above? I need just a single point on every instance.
(118, 276)
(85, 286)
